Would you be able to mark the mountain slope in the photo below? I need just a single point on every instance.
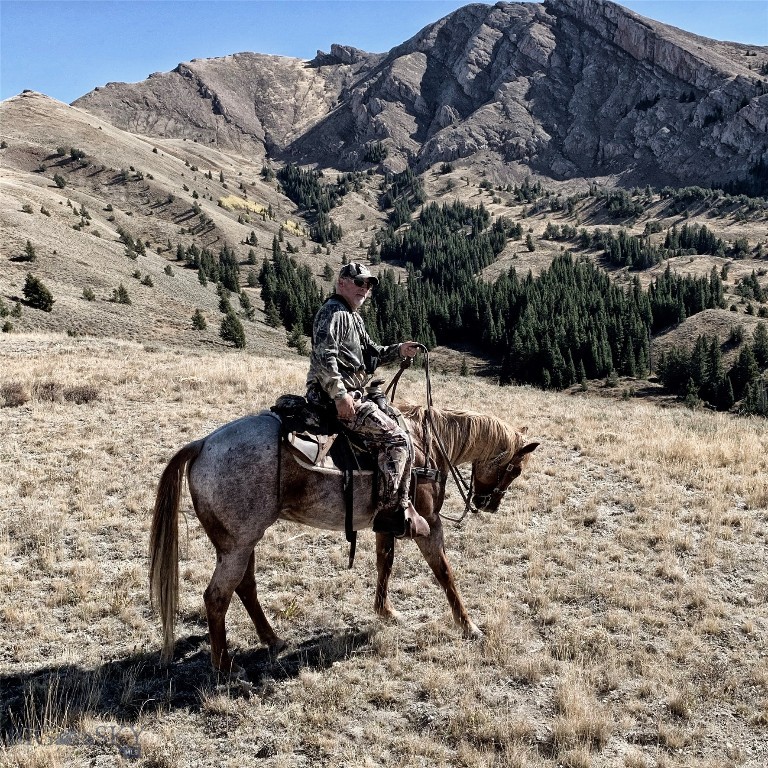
(568, 89)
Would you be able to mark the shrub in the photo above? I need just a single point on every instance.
(7, 326)
(81, 394)
(59, 181)
(48, 391)
(168, 270)
(13, 394)
(37, 295)
(88, 294)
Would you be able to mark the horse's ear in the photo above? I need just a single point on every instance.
(528, 448)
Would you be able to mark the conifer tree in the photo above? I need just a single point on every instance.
(37, 295)
(231, 330)
(198, 321)
(760, 345)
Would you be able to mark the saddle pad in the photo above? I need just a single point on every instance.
(313, 454)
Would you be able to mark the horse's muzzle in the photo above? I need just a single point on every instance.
(487, 502)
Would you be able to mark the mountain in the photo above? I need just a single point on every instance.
(566, 89)
(110, 208)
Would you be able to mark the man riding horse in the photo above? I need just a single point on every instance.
(342, 363)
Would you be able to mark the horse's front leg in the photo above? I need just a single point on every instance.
(433, 549)
(385, 556)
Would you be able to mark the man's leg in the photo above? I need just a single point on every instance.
(384, 437)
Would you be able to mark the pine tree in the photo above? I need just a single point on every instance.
(246, 306)
(120, 295)
(271, 315)
(37, 295)
(760, 344)
(296, 340)
(744, 371)
(198, 321)
(29, 252)
(231, 330)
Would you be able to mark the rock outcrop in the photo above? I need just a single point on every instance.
(564, 89)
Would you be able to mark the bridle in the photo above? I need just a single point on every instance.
(497, 494)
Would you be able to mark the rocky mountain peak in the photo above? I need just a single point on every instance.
(566, 89)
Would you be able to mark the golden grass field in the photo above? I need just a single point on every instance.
(622, 587)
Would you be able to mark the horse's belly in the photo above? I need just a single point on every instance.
(327, 519)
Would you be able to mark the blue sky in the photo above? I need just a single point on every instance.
(67, 48)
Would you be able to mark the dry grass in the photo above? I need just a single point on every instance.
(621, 588)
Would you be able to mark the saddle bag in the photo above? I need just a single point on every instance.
(297, 414)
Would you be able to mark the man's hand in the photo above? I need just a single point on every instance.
(345, 406)
(409, 349)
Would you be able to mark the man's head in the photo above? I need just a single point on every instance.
(354, 283)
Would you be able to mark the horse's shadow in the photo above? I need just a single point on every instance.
(58, 697)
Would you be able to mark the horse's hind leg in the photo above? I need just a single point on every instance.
(434, 553)
(246, 591)
(227, 575)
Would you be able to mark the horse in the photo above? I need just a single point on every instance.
(243, 478)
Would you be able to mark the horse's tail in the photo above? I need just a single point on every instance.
(164, 543)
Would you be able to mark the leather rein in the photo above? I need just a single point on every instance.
(465, 489)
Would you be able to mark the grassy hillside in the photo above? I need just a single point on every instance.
(170, 193)
(621, 587)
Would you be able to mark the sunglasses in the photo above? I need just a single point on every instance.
(360, 282)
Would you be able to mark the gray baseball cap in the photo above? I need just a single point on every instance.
(356, 269)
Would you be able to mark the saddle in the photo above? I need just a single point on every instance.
(319, 441)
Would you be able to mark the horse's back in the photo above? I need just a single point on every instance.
(235, 476)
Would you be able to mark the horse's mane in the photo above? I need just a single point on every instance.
(469, 435)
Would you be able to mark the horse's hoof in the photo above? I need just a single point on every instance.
(390, 617)
(473, 632)
(277, 645)
(237, 676)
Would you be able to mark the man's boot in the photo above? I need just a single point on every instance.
(402, 522)
(415, 524)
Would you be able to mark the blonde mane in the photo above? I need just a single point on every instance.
(469, 436)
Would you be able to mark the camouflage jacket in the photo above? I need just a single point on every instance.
(339, 339)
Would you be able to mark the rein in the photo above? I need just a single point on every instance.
(465, 489)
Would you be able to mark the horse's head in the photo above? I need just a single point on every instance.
(492, 478)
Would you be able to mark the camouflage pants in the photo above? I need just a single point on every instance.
(386, 439)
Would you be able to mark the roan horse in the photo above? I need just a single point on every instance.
(242, 479)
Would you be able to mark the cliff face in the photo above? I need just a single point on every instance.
(567, 89)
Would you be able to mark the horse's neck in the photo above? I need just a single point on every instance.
(460, 447)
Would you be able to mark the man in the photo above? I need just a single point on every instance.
(343, 360)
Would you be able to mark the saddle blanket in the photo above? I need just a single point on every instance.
(320, 454)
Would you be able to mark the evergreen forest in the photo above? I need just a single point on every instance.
(569, 324)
